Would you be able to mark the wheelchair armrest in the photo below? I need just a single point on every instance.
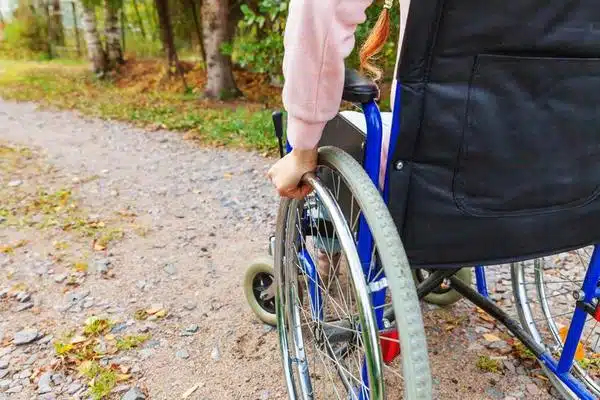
(358, 89)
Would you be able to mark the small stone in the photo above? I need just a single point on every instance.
(23, 307)
(5, 384)
(44, 383)
(74, 387)
(532, 389)
(182, 354)
(25, 374)
(4, 363)
(134, 394)
(15, 389)
(265, 395)
(119, 328)
(509, 366)
(475, 347)
(23, 297)
(60, 278)
(152, 344)
(170, 269)
(140, 285)
(189, 306)
(25, 336)
(192, 329)
(494, 393)
(216, 354)
(15, 183)
(46, 339)
(31, 359)
(3, 293)
(58, 379)
(101, 265)
(146, 353)
(121, 389)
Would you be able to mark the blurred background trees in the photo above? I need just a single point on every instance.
(218, 37)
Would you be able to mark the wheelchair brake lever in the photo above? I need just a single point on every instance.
(278, 124)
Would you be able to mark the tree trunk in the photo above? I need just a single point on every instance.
(112, 32)
(166, 31)
(198, 26)
(56, 26)
(218, 29)
(96, 52)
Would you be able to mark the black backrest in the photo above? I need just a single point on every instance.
(500, 128)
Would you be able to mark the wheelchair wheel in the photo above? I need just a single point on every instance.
(332, 335)
(544, 295)
(444, 295)
(259, 288)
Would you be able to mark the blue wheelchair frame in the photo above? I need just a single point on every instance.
(371, 164)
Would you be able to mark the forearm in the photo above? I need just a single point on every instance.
(319, 35)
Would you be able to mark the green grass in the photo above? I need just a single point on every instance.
(485, 363)
(69, 85)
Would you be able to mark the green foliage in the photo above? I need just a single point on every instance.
(259, 46)
(26, 36)
(131, 341)
(487, 364)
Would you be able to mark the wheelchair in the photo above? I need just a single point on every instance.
(493, 159)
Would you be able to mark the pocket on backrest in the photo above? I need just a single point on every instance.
(531, 141)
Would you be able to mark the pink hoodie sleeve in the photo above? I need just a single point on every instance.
(319, 35)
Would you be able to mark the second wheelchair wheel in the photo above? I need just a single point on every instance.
(544, 291)
(334, 342)
(444, 295)
(259, 288)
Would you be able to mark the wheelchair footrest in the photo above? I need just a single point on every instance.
(390, 345)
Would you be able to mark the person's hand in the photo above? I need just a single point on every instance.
(287, 173)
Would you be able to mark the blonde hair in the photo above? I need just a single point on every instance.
(375, 42)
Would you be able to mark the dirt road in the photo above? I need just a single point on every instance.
(184, 223)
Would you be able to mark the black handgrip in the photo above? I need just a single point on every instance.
(278, 124)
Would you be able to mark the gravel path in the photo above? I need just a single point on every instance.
(207, 213)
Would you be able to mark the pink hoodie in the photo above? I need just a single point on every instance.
(319, 35)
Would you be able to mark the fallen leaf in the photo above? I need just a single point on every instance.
(579, 352)
(154, 308)
(99, 247)
(123, 377)
(161, 313)
(490, 337)
(190, 391)
(78, 339)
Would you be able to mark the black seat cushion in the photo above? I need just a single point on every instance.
(359, 89)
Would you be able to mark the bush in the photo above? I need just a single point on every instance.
(26, 36)
(259, 45)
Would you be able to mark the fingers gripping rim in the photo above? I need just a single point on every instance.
(415, 362)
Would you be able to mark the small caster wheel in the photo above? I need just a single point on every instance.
(260, 289)
(444, 295)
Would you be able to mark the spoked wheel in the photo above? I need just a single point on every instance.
(544, 291)
(259, 288)
(444, 295)
(332, 332)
